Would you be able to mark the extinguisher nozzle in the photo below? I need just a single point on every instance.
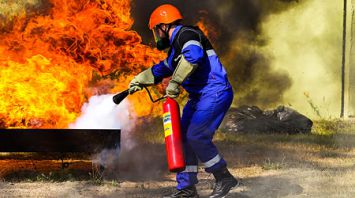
(117, 99)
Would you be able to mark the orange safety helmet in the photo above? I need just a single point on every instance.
(166, 14)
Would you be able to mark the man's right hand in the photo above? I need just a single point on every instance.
(173, 90)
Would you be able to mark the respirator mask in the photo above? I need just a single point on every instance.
(162, 43)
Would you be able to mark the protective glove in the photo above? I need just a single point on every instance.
(134, 86)
(144, 78)
(182, 71)
(173, 90)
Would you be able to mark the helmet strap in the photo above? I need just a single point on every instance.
(163, 43)
(166, 32)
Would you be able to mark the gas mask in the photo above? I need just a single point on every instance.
(162, 43)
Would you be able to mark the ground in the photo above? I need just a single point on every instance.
(321, 164)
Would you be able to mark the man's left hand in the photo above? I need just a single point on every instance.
(173, 90)
(134, 86)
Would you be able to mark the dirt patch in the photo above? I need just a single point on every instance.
(260, 183)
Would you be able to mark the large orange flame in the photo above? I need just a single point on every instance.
(48, 61)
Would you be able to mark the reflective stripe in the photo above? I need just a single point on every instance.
(192, 43)
(166, 63)
(190, 169)
(211, 52)
(177, 58)
(213, 161)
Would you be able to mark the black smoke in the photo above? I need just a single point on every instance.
(239, 38)
(10, 11)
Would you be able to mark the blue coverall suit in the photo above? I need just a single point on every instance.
(210, 96)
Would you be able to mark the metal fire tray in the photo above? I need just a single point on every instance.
(58, 140)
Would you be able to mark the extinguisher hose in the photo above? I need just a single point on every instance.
(151, 98)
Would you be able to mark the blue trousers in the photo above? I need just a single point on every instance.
(201, 117)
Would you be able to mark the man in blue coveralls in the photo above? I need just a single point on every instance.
(193, 64)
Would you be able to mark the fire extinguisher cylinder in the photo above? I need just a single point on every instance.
(173, 137)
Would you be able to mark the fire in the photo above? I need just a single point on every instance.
(35, 94)
(48, 61)
(207, 27)
(203, 27)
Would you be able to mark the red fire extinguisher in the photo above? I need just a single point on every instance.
(172, 130)
(173, 139)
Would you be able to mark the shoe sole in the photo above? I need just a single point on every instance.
(234, 186)
(196, 196)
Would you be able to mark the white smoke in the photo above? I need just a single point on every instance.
(102, 113)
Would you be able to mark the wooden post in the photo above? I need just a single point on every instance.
(343, 61)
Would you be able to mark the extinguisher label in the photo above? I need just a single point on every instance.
(167, 124)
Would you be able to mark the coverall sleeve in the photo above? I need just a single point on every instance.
(192, 48)
(161, 70)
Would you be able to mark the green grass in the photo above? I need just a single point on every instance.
(330, 127)
(52, 176)
(271, 165)
(92, 177)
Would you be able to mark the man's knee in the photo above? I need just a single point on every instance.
(196, 139)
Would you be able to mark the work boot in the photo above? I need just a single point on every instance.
(224, 183)
(189, 192)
